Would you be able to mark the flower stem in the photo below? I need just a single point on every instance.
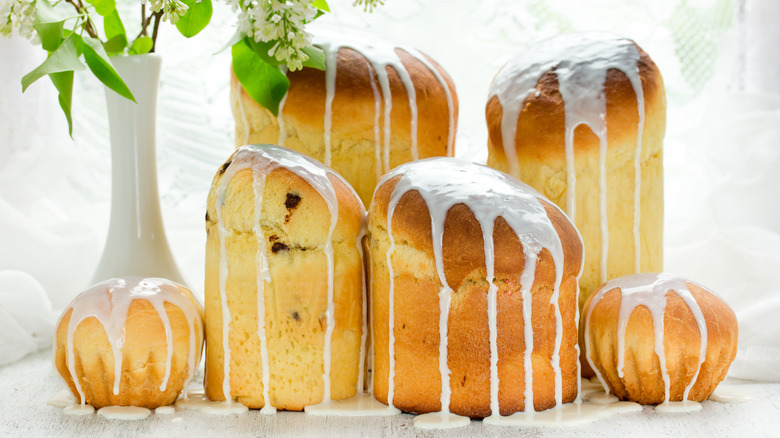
(144, 20)
(88, 25)
(157, 19)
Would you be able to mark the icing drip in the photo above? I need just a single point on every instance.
(282, 130)
(451, 108)
(391, 303)
(371, 350)
(649, 290)
(330, 92)
(379, 168)
(109, 302)
(526, 281)
(580, 62)
(380, 55)
(263, 160)
(242, 113)
(262, 275)
(124, 413)
(489, 194)
(636, 82)
(223, 274)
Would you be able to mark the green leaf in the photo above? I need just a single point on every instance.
(63, 81)
(100, 65)
(141, 45)
(197, 17)
(48, 24)
(116, 45)
(265, 83)
(261, 48)
(65, 58)
(316, 58)
(322, 5)
(116, 37)
(322, 8)
(103, 7)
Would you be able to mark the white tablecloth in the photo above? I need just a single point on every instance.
(27, 385)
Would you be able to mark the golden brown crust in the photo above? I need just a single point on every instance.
(144, 356)
(540, 147)
(642, 380)
(353, 116)
(295, 222)
(416, 286)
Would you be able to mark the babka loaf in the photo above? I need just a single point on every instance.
(129, 341)
(284, 282)
(656, 338)
(581, 118)
(473, 292)
(375, 106)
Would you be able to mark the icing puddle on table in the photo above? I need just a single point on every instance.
(595, 404)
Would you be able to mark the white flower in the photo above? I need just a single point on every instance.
(172, 9)
(18, 15)
(281, 22)
(368, 5)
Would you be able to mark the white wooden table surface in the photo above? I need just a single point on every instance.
(27, 385)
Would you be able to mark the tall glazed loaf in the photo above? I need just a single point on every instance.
(283, 224)
(445, 337)
(581, 118)
(374, 107)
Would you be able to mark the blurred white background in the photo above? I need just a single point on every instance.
(718, 57)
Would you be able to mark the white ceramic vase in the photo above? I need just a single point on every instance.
(136, 242)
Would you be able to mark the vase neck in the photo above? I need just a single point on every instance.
(136, 243)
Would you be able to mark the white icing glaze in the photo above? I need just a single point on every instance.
(371, 351)
(165, 410)
(109, 302)
(79, 410)
(125, 413)
(62, 399)
(200, 403)
(242, 114)
(262, 275)
(570, 414)
(282, 129)
(580, 62)
(263, 159)
(725, 394)
(489, 194)
(440, 420)
(378, 167)
(602, 398)
(361, 405)
(648, 290)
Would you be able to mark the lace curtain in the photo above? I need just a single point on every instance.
(722, 75)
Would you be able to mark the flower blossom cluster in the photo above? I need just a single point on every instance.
(368, 5)
(19, 15)
(172, 9)
(281, 22)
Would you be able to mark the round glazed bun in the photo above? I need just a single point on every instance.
(129, 342)
(441, 228)
(376, 106)
(282, 223)
(622, 325)
(581, 118)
